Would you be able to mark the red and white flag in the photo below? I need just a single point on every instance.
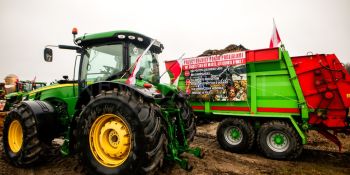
(175, 68)
(275, 38)
(132, 78)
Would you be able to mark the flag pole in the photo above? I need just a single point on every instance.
(143, 53)
(274, 23)
(180, 58)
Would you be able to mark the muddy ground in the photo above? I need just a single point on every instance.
(318, 157)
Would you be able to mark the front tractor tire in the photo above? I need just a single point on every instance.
(20, 137)
(235, 135)
(121, 134)
(279, 140)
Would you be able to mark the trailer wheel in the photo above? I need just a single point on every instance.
(121, 134)
(235, 135)
(279, 140)
(20, 137)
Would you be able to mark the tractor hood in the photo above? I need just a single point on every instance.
(54, 86)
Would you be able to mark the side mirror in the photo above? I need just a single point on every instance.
(48, 55)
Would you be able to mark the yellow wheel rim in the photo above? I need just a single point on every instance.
(110, 140)
(15, 136)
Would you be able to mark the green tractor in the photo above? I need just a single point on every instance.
(21, 89)
(116, 127)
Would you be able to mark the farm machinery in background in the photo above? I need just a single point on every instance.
(15, 90)
(117, 116)
(268, 98)
(12, 91)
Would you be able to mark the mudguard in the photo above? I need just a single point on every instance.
(44, 114)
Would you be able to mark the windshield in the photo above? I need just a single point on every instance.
(149, 67)
(101, 62)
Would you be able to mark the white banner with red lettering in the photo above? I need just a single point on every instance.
(229, 59)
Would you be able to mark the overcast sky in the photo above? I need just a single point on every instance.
(183, 26)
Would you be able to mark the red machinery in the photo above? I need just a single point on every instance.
(326, 87)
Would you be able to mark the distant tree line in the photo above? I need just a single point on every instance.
(347, 67)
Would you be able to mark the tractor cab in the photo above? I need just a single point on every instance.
(111, 56)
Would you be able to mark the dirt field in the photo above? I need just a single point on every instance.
(319, 157)
(2, 116)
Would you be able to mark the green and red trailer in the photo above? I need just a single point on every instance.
(267, 98)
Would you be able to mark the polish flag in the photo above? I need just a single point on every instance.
(275, 38)
(175, 68)
(132, 78)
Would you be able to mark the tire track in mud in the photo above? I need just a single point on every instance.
(7, 169)
(60, 166)
(54, 164)
(218, 161)
(319, 157)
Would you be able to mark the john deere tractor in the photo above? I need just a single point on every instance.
(114, 125)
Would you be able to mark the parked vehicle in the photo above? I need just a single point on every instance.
(267, 98)
(116, 127)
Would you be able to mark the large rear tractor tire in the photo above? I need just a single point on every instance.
(188, 118)
(235, 135)
(20, 137)
(121, 134)
(279, 140)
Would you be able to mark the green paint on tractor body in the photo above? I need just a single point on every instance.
(59, 93)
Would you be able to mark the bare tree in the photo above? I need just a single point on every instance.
(347, 67)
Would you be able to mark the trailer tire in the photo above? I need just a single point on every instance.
(279, 140)
(130, 132)
(235, 135)
(21, 142)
